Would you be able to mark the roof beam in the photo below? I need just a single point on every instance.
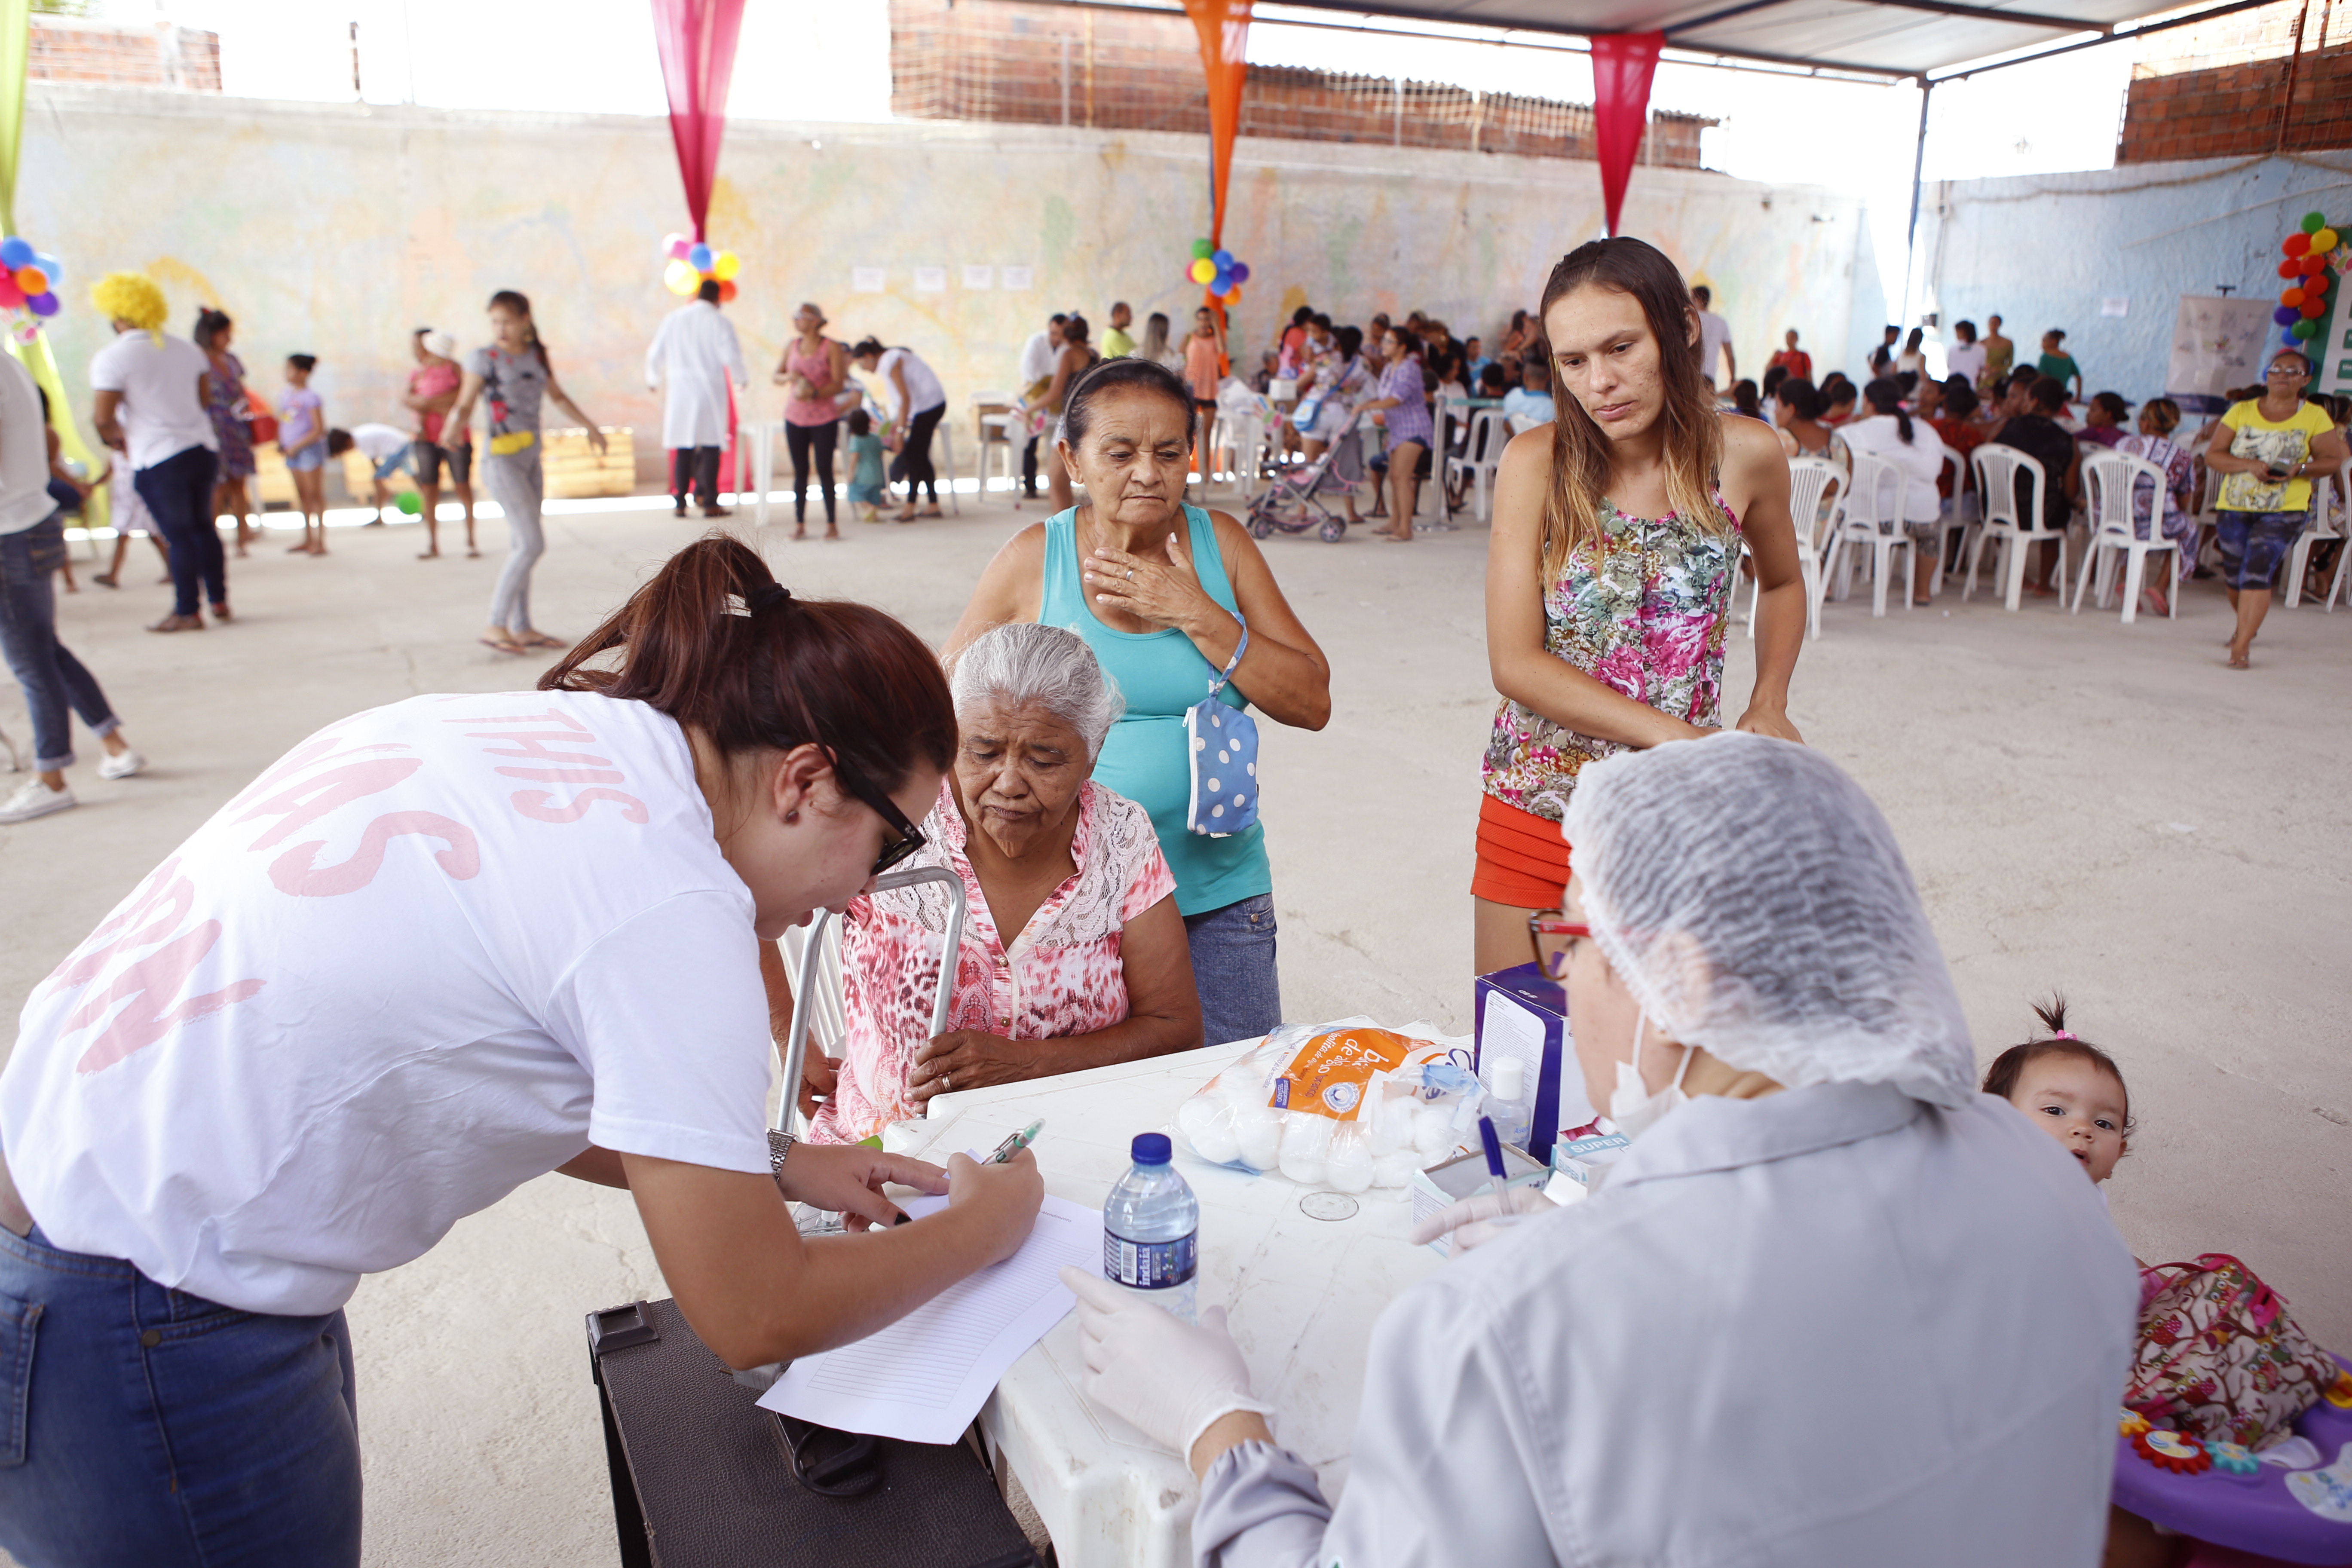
(1940, 7)
(1451, 17)
(2113, 37)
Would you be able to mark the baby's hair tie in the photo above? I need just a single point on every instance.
(2063, 1035)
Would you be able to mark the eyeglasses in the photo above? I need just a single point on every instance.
(1550, 934)
(911, 838)
(2286, 370)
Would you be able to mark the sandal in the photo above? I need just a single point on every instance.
(105, 579)
(497, 645)
(536, 638)
(178, 624)
(220, 612)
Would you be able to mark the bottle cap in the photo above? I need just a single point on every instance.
(1151, 1149)
(1507, 1078)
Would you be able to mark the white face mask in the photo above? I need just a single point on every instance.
(1632, 1106)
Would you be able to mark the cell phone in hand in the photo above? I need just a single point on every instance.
(2279, 470)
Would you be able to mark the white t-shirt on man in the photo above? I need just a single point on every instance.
(25, 498)
(435, 951)
(1714, 332)
(162, 414)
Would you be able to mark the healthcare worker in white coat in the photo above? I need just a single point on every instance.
(693, 357)
(1833, 1309)
(437, 950)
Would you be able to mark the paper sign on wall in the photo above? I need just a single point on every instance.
(865, 279)
(1016, 278)
(979, 276)
(930, 279)
(2217, 343)
(2115, 305)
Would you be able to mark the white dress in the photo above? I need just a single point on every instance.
(693, 357)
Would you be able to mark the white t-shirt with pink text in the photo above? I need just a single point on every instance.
(435, 951)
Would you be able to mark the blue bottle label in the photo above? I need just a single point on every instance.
(1148, 1265)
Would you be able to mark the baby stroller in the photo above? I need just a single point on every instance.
(1294, 501)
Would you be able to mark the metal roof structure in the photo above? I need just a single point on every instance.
(1888, 40)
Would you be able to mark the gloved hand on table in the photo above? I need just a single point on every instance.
(1475, 1221)
(1166, 1377)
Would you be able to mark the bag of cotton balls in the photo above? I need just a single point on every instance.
(1348, 1105)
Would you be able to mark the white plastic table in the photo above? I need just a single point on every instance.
(1301, 1294)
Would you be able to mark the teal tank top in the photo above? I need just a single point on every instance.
(1161, 674)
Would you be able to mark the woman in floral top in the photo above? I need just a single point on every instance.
(1072, 957)
(2159, 418)
(1610, 573)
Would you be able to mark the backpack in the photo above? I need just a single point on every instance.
(2218, 1357)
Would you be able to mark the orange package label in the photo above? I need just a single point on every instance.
(1327, 1074)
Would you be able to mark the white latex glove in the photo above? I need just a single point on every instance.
(1167, 1377)
(1475, 1221)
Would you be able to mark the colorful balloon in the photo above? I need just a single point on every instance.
(409, 503)
(50, 265)
(2297, 244)
(2291, 297)
(1201, 269)
(2314, 285)
(700, 257)
(2307, 331)
(32, 281)
(1232, 296)
(1202, 250)
(2313, 308)
(2313, 222)
(725, 264)
(11, 296)
(726, 290)
(16, 252)
(673, 246)
(42, 304)
(680, 277)
(2326, 240)
(2309, 265)
(2290, 268)
(1224, 259)
(1241, 271)
(2287, 315)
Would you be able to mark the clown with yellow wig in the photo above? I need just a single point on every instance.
(149, 407)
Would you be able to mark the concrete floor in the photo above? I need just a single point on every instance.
(2089, 808)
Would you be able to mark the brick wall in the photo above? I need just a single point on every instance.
(69, 48)
(1047, 65)
(2276, 78)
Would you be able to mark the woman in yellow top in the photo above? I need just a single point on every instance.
(2266, 448)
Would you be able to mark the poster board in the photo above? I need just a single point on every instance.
(2218, 343)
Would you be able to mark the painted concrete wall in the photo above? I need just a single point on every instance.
(334, 229)
(2044, 250)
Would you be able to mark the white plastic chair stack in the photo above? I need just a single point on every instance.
(2110, 482)
(813, 957)
(1997, 469)
(992, 421)
(2330, 513)
(1808, 478)
(755, 458)
(1245, 436)
(1872, 518)
(1489, 433)
(945, 435)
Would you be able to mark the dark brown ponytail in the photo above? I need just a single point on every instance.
(717, 644)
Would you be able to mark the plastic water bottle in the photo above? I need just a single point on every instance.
(1151, 1229)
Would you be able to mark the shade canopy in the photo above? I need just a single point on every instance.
(1879, 38)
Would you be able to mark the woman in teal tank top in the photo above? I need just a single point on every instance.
(1160, 590)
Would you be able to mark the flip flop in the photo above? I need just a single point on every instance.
(495, 645)
(541, 639)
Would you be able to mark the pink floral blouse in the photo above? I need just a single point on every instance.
(1061, 975)
(1644, 613)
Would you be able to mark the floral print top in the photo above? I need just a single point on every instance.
(1059, 976)
(1646, 613)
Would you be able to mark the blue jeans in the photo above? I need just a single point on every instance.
(53, 678)
(1233, 967)
(179, 494)
(144, 1427)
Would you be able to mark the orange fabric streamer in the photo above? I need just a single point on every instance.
(1223, 28)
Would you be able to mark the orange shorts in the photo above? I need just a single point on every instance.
(1522, 859)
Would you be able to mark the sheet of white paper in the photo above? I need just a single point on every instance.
(926, 1376)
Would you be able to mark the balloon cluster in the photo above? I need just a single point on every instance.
(688, 264)
(2304, 301)
(28, 282)
(1217, 271)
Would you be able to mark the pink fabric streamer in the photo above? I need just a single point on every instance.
(697, 39)
(1623, 64)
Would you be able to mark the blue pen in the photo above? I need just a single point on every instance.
(1494, 1151)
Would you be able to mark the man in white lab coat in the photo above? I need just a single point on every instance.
(692, 358)
(1037, 359)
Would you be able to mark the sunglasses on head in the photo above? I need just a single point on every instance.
(911, 838)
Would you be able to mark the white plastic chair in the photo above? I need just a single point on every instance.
(1996, 468)
(1808, 478)
(2328, 521)
(1873, 517)
(755, 457)
(1481, 456)
(946, 434)
(813, 956)
(2110, 482)
(992, 414)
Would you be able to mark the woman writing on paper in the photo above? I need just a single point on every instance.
(1833, 1307)
(441, 948)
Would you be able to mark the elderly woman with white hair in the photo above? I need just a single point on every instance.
(1833, 1307)
(1074, 955)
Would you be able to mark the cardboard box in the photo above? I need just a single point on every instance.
(1520, 1012)
(1448, 1182)
(1581, 1158)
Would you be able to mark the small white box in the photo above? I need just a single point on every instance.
(1448, 1182)
(1583, 1158)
